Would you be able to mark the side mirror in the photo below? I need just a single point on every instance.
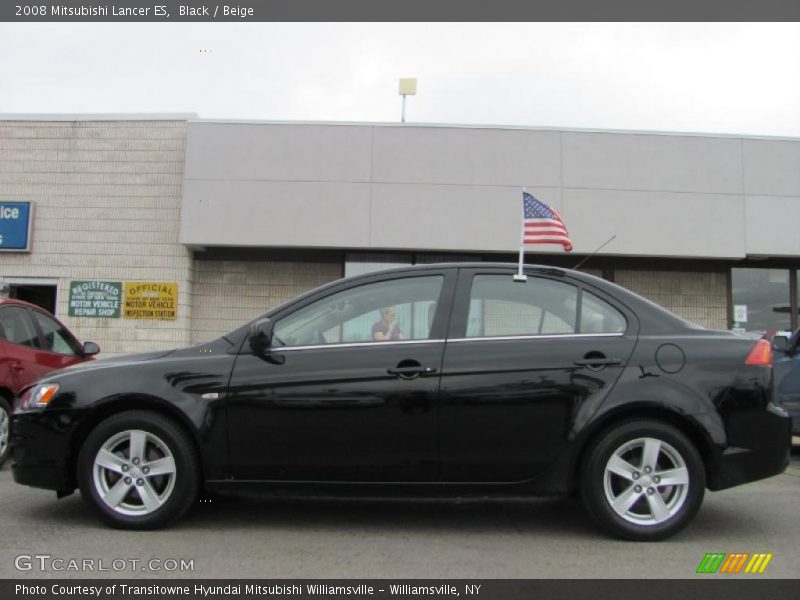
(780, 343)
(261, 336)
(90, 349)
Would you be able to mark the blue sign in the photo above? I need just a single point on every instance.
(15, 226)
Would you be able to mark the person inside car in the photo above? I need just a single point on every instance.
(387, 328)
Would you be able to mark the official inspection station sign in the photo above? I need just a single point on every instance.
(97, 299)
(15, 226)
(150, 300)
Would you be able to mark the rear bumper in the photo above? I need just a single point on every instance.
(794, 412)
(765, 450)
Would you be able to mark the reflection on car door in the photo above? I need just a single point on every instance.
(516, 369)
(332, 405)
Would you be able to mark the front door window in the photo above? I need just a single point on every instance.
(56, 339)
(398, 309)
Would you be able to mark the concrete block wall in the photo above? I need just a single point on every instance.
(228, 293)
(107, 197)
(700, 297)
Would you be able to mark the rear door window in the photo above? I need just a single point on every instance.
(500, 306)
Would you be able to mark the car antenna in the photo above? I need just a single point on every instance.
(600, 247)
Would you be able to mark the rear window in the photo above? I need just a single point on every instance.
(598, 316)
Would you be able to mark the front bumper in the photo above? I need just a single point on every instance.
(761, 446)
(42, 456)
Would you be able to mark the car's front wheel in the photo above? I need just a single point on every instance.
(643, 480)
(139, 470)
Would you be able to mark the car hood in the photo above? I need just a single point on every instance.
(105, 363)
(88, 368)
(132, 358)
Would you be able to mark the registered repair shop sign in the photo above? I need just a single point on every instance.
(97, 299)
(150, 300)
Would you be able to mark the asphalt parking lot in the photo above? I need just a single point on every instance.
(287, 539)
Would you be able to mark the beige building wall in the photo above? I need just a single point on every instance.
(107, 200)
(228, 293)
(700, 297)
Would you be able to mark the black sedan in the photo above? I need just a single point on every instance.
(454, 380)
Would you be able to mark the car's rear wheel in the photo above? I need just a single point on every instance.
(139, 470)
(643, 480)
(5, 431)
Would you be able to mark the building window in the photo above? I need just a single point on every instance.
(761, 300)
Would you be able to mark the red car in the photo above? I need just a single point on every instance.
(32, 343)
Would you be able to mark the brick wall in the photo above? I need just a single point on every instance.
(107, 198)
(700, 297)
(228, 293)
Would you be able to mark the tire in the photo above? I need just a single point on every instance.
(5, 431)
(122, 487)
(631, 502)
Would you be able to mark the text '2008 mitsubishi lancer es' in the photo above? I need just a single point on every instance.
(446, 380)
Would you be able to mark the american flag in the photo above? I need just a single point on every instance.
(542, 225)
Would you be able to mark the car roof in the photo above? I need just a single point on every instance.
(15, 302)
(471, 265)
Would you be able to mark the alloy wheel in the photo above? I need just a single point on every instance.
(646, 481)
(134, 472)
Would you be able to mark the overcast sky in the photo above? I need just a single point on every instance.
(719, 78)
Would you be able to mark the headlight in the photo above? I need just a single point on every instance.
(38, 396)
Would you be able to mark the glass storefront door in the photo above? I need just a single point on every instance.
(761, 300)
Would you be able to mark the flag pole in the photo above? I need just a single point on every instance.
(520, 276)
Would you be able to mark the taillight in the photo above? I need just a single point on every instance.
(760, 355)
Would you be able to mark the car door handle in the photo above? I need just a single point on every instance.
(411, 370)
(596, 362)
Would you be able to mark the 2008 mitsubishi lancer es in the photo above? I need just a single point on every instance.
(453, 380)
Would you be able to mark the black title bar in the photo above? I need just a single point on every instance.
(398, 10)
